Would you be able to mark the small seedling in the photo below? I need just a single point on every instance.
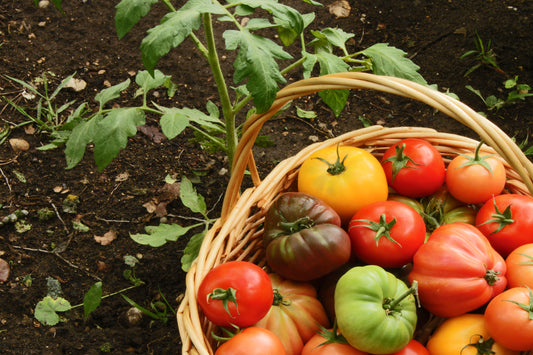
(484, 55)
(518, 93)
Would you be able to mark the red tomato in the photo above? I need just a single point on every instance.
(509, 318)
(520, 267)
(457, 270)
(386, 233)
(326, 343)
(413, 167)
(413, 348)
(252, 341)
(475, 179)
(235, 293)
(296, 313)
(507, 221)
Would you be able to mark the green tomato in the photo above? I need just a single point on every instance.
(376, 312)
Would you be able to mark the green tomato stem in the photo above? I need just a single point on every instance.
(336, 168)
(390, 304)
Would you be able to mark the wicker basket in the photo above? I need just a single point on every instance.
(236, 235)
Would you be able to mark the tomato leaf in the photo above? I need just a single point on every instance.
(148, 82)
(80, 136)
(92, 299)
(192, 249)
(157, 236)
(129, 12)
(175, 120)
(256, 62)
(113, 132)
(330, 63)
(111, 93)
(388, 60)
(190, 198)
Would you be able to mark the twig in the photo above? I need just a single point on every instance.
(59, 216)
(7, 180)
(112, 220)
(60, 257)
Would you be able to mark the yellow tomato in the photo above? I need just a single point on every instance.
(347, 178)
(464, 335)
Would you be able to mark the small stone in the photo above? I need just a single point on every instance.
(19, 144)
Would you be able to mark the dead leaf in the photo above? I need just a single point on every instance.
(340, 9)
(107, 238)
(76, 84)
(122, 176)
(29, 129)
(153, 133)
(4, 270)
(150, 206)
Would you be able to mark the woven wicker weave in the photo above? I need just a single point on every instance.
(237, 235)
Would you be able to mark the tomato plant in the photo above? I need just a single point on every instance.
(475, 179)
(252, 341)
(507, 221)
(376, 312)
(520, 266)
(303, 237)
(295, 315)
(346, 178)
(386, 233)
(414, 167)
(465, 334)
(329, 342)
(237, 293)
(414, 347)
(457, 270)
(509, 318)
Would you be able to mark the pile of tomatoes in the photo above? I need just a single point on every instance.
(402, 255)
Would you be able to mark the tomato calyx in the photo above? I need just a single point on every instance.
(392, 305)
(331, 336)
(502, 218)
(336, 168)
(279, 300)
(526, 307)
(400, 160)
(225, 296)
(483, 346)
(491, 277)
(382, 228)
(477, 159)
(296, 226)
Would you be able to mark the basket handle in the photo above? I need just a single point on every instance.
(487, 131)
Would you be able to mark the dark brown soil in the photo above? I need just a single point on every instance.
(35, 41)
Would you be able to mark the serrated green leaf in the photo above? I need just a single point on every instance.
(309, 63)
(92, 299)
(46, 310)
(391, 61)
(78, 139)
(148, 82)
(129, 12)
(190, 253)
(336, 36)
(256, 62)
(330, 63)
(111, 93)
(113, 132)
(158, 235)
(175, 120)
(258, 23)
(190, 198)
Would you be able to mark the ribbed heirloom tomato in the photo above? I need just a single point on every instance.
(414, 167)
(345, 177)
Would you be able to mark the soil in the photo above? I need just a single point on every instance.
(36, 41)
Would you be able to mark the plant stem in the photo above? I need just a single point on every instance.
(111, 294)
(227, 108)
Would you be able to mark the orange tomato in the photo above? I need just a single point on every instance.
(520, 266)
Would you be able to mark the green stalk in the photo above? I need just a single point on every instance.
(227, 108)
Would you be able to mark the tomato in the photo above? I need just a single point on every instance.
(442, 208)
(507, 221)
(296, 313)
(413, 348)
(475, 179)
(509, 318)
(466, 334)
(252, 341)
(520, 266)
(457, 270)
(386, 233)
(345, 177)
(414, 167)
(329, 342)
(235, 293)
(376, 312)
(303, 237)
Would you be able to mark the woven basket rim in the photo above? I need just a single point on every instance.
(224, 241)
